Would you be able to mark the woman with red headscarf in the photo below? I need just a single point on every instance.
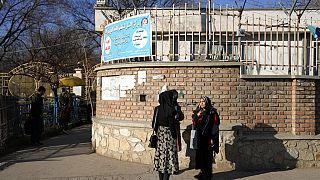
(206, 121)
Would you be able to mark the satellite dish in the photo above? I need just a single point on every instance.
(22, 86)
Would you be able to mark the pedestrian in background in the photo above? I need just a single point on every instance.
(65, 109)
(206, 122)
(164, 121)
(36, 116)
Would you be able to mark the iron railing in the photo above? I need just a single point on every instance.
(14, 112)
(9, 119)
(265, 41)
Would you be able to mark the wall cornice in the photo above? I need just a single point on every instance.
(168, 64)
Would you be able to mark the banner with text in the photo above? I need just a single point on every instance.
(130, 37)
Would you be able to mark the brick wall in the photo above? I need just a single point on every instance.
(303, 106)
(317, 107)
(220, 84)
(260, 104)
(266, 104)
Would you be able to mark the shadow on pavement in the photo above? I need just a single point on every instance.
(77, 142)
(228, 175)
(256, 152)
(252, 152)
(257, 148)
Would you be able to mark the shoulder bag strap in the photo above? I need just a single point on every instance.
(155, 121)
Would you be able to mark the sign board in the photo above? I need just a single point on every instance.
(127, 38)
(115, 87)
(110, 88)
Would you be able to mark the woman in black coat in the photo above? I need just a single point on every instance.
(206, 121)
(166, 154)
(36, 116)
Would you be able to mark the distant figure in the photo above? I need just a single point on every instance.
(206, 122)
(36, 115)
(164, 121)
(65, 109)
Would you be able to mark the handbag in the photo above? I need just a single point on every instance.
(154, 138)
(153, 141)
(193, 139)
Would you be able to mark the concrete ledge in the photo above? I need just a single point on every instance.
(278, 77)
(147, 124)
(281, 136)
(168, 64)
(122, 123)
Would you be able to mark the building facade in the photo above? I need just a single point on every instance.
(260, 70)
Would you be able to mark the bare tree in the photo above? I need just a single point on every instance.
(123, 4)
(54, 32)
(16, 17)
(124, 7)
(59, 32)
(314, 4)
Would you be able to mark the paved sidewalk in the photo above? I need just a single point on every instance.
(69, 157)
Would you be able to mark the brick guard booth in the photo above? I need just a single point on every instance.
(262, 74)
(266, 123)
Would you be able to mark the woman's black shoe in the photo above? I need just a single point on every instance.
(198, 176)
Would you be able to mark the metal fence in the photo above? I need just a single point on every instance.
(9, 119)
(14, 112)
(265, 41)
(4, 82)
(51, 110)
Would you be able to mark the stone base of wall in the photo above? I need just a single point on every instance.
(267, 151)
(128, 141)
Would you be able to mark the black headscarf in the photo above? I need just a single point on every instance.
(167, 112)
(174, 96)
(166, 106)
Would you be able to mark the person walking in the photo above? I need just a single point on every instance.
(65, 110)
(206, 122)
(164, 121)
(36, 116)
